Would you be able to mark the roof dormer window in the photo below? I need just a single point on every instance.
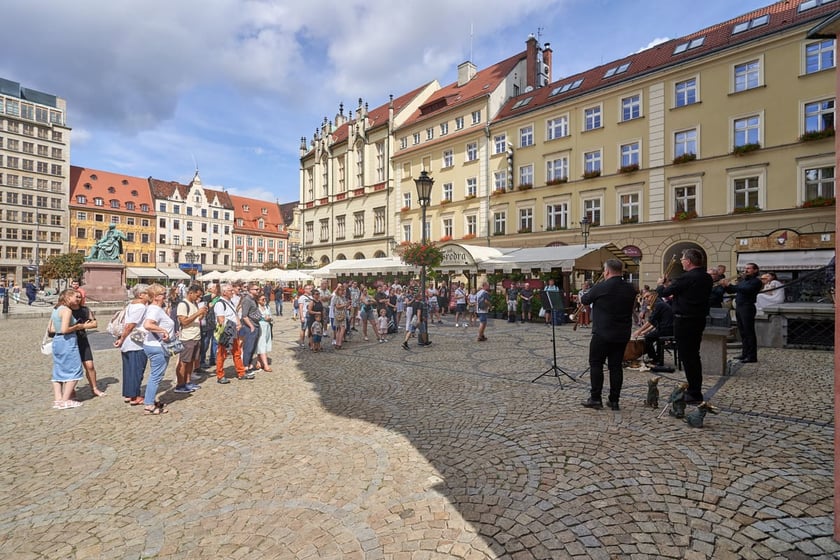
(617, 70)
(688, 45)
(112, 190)
(751, 24)
(567, 87)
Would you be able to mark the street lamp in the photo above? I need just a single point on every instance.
(585, 224)
(424, 196)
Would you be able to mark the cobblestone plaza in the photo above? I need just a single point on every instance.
(448, 451)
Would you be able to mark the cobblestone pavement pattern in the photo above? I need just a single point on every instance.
(444, 452)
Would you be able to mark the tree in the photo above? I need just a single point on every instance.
(58, 267)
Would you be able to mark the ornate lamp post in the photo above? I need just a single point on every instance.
(585, 224)
(191, 257)
(424, 196)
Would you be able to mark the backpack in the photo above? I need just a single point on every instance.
(392, 327)
(210, 318)
(117, 323)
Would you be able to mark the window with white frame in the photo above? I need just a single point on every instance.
(592, 161)
(819, 55)
(685, 92)
(476, 117)
(557, 169)
(500, 144)
(340, 227)
(685, 198)
(308, 233)
(499, 222)
(341, 175)
(526, 175)
(416, 138)
(406, 200)
(472, 186)
(746, 192)
(325, 176)
(630, 154)
(500, 180)
(325, 229)
(404, 142)
(380, 161)
(448, 159)
(557, 216)
(592, 118)
(685, 142)
(471, 225)
(631, 107)
(358, 224)
(747, 130)
(819, 116)
(526, 136)
(459, 123)
(446, 227)
(444, 128)
(558, 127)
(747, 75)
(629, 206)
(472, 151)
(446, 193)
(592, 210)
(406, 232)
(818, 182)
(427, 228)
(526, 220)
(379, 220)
(430, 133)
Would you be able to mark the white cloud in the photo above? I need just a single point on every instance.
(653, 43)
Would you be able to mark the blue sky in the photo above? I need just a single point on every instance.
(156, 87)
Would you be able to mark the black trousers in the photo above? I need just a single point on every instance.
(603, 351)
(745, 317)
(688, 332)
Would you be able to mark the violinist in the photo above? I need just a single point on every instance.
(659, 323)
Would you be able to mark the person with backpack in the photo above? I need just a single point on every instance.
(208, 326)
(189, 318)
(227, 336)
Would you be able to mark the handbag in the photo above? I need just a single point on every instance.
(172, 346)
(47, 343)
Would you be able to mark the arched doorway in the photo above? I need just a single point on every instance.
(671, 258)
(379, 255)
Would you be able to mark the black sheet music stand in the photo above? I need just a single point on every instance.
(552, 300)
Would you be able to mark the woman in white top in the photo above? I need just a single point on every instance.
(772, 293)
(264, 341)
(159, 328)
(134, 360)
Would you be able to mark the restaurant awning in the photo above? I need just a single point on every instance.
(789, 259)
(363, 267)
(458, 258)
(139, 272)
(175, 273)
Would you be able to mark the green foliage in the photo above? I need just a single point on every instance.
(58, 267)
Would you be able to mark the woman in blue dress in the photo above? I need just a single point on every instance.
(67, 362)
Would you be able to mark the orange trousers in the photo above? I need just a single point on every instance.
(222, 354)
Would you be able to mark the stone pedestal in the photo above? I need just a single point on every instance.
(104, 281)
(713, 350)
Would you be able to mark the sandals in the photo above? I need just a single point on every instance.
(136, 401)
(64, 405)
(156, 410)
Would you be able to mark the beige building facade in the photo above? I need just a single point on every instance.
(34, 179)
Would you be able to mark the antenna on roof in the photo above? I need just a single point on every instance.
(539, 34)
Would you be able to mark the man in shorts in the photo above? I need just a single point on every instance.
(189, 317)
(482, 302)
(460, 304)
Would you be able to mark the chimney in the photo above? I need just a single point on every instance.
(466, 72)
(547, 61)
(531, 61)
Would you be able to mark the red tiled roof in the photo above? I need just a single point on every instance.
(94, 183)
(250, 210)
(483, 83)
(165, 189)
(782, 15)
(287, 211)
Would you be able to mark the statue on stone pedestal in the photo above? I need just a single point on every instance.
(109, 247)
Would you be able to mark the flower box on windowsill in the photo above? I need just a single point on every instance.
(633, 220)
(685, 158)
(592, 174)
(817, 135)
(445, 238)
(405, 209)
(746, 210)
(445, 201)
(495, 233)
(818, 202)
(559, 181)
(498, 192)
(629, 168)
(525, 187)
(683, 216)
(468, 236)
(556, 228)
(469, 197)
(524, 230)
(745, 149)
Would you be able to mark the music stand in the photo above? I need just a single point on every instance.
(552, 300)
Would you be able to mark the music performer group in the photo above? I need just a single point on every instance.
(677, 307)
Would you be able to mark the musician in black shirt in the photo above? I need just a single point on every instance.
(690, 305)
(746, 291)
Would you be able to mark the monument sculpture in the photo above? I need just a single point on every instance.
(104, 271)
(109, 247)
